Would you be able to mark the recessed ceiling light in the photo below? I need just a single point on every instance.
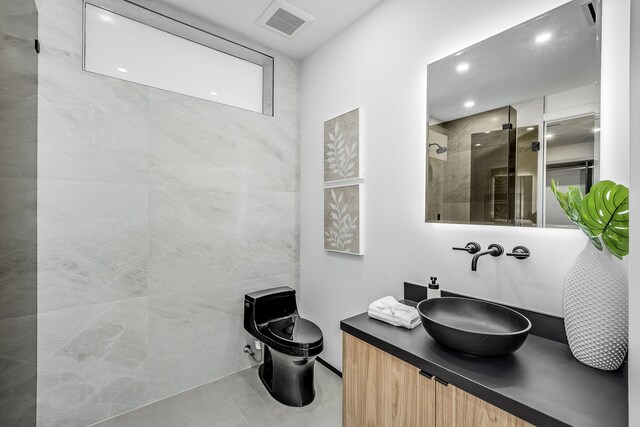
(469, 104)
(530, 128)
(486, 131)
(461, 68)
(213, 93)
(596, 130)
(550, 135)
(478, 145)
(106, 18)
(121, 69)
(541, 38)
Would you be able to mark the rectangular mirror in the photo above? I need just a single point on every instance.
(511, 113)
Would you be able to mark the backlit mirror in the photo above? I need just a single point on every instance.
(511, 113)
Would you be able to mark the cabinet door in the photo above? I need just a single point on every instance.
(426, 401)
(457, 408)
(382, 390)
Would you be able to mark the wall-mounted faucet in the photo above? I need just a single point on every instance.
(494, 250)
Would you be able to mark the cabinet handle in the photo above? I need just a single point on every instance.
(443, 382)
(426, 374)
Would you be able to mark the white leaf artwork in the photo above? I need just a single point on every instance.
(342, 228)
(342, 147)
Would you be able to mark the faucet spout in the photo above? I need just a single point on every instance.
(493, 250)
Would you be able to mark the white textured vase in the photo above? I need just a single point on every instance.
(596, 312)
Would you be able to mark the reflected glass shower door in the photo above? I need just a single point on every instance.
(493, 170)
(468, 169)
(527, 164)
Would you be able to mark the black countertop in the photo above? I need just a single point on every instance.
(541, 382)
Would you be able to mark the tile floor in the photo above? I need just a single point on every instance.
(238, 400)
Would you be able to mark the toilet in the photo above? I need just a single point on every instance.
(290, 342)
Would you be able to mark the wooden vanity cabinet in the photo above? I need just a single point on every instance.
(380, 390)
(457, 408)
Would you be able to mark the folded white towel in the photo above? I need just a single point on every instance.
(389, 310)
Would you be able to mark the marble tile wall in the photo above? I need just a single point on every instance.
(157, 213)
(18, 204)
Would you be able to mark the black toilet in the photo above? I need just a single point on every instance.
(291, 344)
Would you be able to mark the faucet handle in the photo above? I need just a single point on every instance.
(471, 247)
(520, 252)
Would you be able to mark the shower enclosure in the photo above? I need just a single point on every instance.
(488, 172)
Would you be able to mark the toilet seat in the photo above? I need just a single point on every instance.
(293, 335)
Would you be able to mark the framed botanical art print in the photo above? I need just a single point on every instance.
(343, 220)
(342, 147)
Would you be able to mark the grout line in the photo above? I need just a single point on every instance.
(168, 397)
(114, 301)
(93, 319)
(241, 412)
(17, 360)
(207, 286)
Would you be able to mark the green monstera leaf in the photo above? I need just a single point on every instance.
(605, 212)
(568, 208)
(571, 203)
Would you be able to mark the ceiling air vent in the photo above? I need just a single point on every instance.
(284, 18)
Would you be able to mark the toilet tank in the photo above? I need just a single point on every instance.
(263, 306)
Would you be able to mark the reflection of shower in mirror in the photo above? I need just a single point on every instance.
(440, 149)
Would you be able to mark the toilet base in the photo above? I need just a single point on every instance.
(288, 379)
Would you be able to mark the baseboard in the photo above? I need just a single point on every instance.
(329, 366)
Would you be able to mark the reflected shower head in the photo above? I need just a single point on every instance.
(440, 149)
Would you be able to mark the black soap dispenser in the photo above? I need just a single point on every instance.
(433, 291)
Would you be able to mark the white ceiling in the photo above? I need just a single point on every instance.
(332, 16)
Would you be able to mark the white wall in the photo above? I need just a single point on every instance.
(573, 102)
(379, 64)
(614, 96)
(570, 152)
(634, 273)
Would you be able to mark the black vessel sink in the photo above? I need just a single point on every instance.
(475, 327)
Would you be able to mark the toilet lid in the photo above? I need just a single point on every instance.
(296, 331)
